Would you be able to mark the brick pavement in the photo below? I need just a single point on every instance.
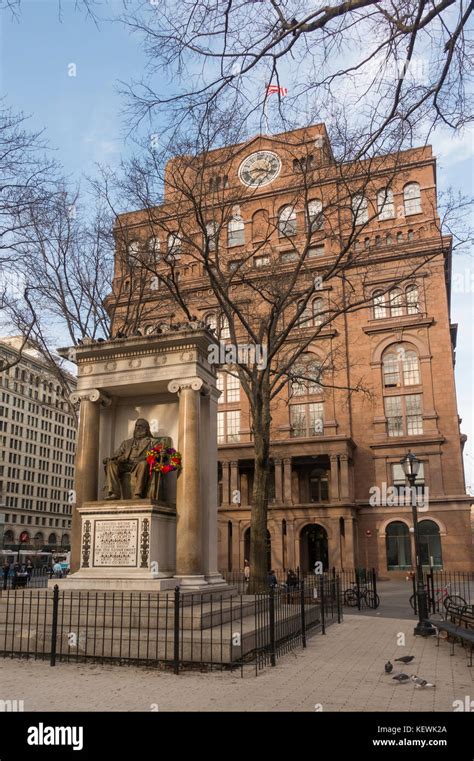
(342, 671)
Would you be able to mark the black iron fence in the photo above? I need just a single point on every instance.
(442, 584)
(227, 630)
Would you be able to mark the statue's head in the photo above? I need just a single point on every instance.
(142, 429)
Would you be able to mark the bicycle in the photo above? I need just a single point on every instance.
(352, 595)
(441, 594)
(441, 597)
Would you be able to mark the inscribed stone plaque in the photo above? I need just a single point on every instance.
(116, 543)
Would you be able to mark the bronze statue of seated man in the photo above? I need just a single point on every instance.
(130, 458)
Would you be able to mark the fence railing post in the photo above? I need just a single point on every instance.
(272, 626)
(303, 615)
(358, 587)
(374, 583)
(338, 598)
(176, 630)
(415, 599)
(323, 612)
(54, 625)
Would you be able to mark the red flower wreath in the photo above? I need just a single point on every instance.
(163, 459)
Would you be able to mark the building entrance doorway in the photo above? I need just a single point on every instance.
(313, 547)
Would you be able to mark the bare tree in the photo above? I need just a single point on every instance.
(265, 302)
(396, 67)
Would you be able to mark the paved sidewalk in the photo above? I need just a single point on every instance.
(342, 671)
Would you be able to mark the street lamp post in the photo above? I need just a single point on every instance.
(411, 466)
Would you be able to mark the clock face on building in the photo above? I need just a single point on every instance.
(259, 169)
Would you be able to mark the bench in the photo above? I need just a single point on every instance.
(458, 624)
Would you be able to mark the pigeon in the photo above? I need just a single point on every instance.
(388, 667)
(402, 678)
(405, 659)
(419, 682)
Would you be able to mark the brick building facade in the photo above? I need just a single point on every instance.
(388, 363)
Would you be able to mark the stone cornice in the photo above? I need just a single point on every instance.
(394, 325)
(119, 348)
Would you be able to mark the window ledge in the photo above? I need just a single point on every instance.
(389, 324)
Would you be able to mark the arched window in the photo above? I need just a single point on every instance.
(385, 204)
(134, 248)
(412, 198)
(211, 234)
(360, 209)
(366, 243)
(430, 544)
(306, 375)
(413, 301)
(287, 221)
(403, 409)
(52, 540)
(153, 246)
(318, 309)
(306, 317)
(314, 216)
(380, 310)
(174, 245)
(396, 302)
(401, 367)
(399, 237)
(236, 231)
(378, 241)
(224, 330)
(388, 240)
(398, 546)
(260, 225)
(211, 321)
(411, 235)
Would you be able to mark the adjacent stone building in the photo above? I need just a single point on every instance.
(337, 483)
(37, 444)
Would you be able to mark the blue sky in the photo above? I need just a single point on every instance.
(82, 118)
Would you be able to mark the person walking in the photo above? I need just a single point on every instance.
(6, 572)
(246, 572)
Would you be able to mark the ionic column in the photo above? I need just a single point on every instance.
(287, 480)
(234, 482)
(334, 478)
(225, 484)
(278, 481)
(86, 475)
(188, 492)
(344, 460)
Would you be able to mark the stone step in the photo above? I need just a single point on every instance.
(226, 644)
(128, 613)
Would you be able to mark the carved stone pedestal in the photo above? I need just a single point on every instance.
(125, 545)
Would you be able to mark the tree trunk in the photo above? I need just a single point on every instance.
(258, 529)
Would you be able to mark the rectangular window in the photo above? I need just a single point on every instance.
(314, 251)
(288, 256)
(261, 261)
(228, 426)
(393, 413)
(233, 388)
(414, 414)
(307, 419)
(233, 425)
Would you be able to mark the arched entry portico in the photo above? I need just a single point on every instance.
(313, 547)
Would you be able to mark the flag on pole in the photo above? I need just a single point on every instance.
(275, 88)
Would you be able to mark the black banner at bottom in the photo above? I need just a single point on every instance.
(119, 735)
